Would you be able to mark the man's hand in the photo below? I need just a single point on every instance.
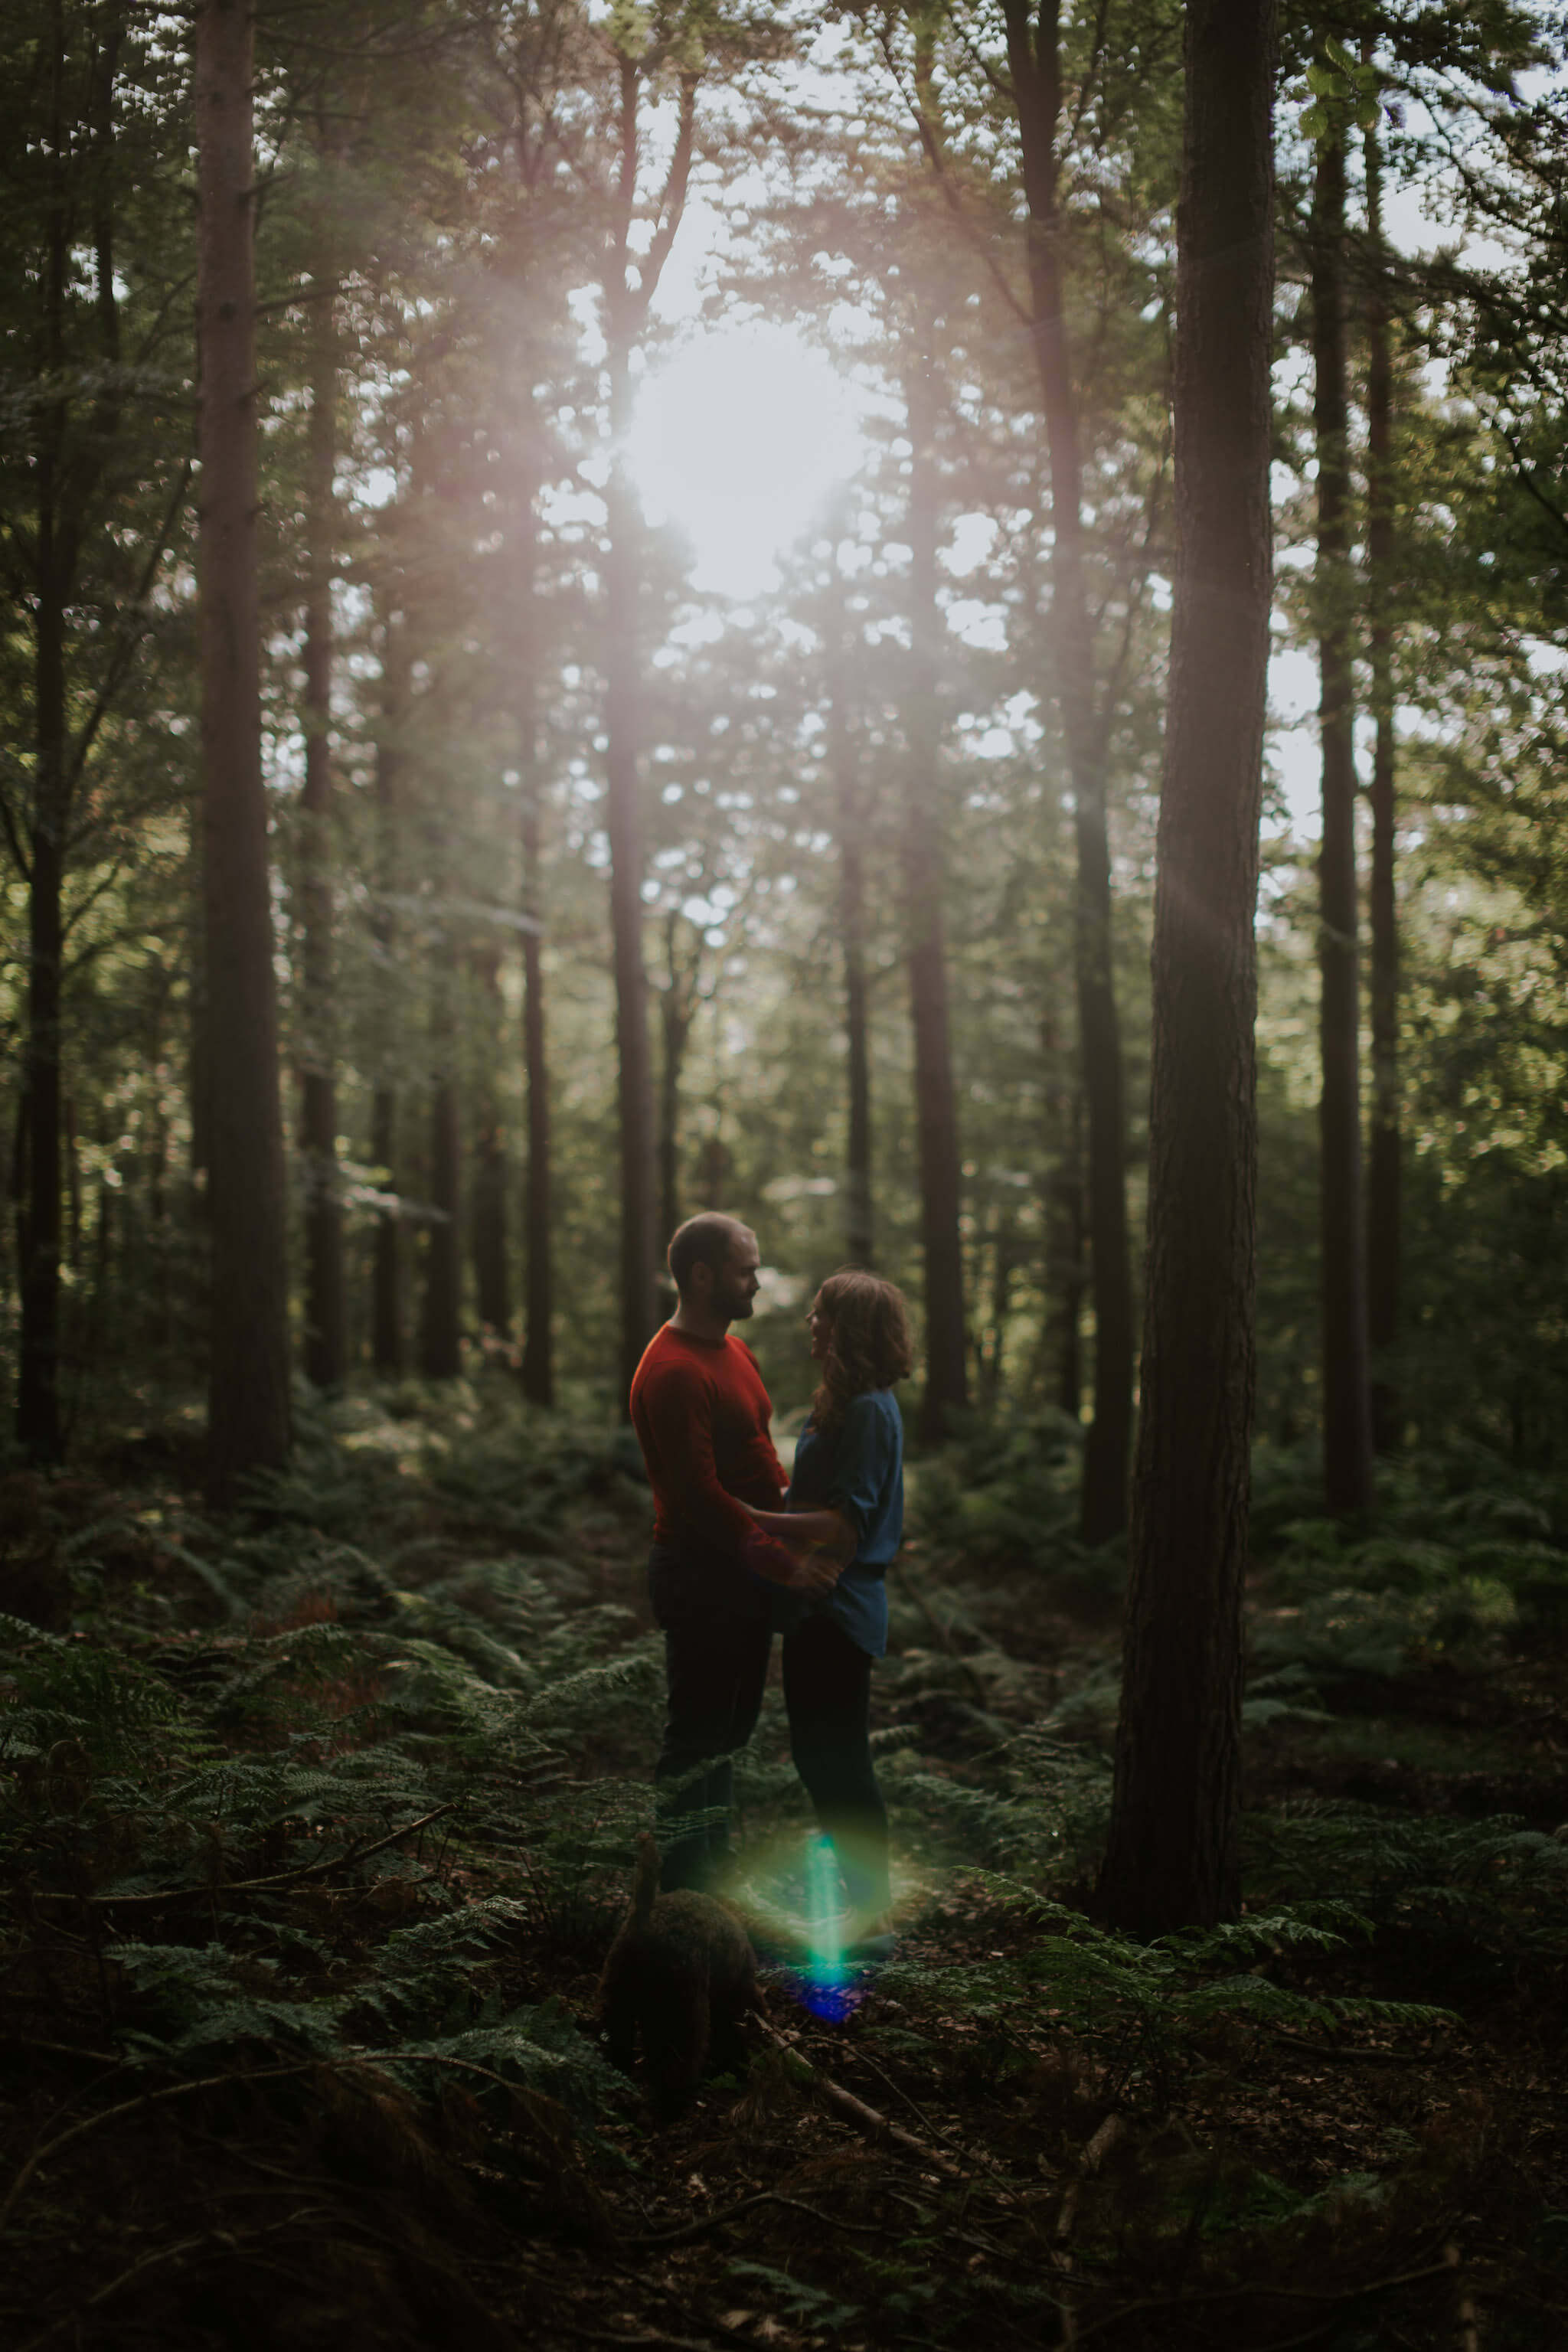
(811, 1573)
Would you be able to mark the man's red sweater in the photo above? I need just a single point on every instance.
(702, 1416)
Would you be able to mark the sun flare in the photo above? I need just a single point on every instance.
(740, 440)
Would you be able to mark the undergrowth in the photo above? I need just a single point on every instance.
(318, 1824)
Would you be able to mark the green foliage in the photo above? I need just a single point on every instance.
(1148, 2009)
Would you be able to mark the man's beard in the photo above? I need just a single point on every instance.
(738, 1305)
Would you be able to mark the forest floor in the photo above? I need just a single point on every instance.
(317, 1827)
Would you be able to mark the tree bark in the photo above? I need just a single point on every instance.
(37, 1394)
(325, 1338)
(1347, 1376)
(676, 1012)
(387, 1351)
(538, 1347)
(1173, 1855)
(1035, 68)
(247, 1428)
(936, 1114)
(625, 818)
(858, 1224)
(440, 1329)
(1385, 1146)
(492, 1289)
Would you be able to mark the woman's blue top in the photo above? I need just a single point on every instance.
(858, 1469)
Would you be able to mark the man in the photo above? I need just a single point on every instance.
(702, 1416)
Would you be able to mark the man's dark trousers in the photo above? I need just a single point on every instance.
(717, 1638)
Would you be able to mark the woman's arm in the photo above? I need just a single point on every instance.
(827, 1532)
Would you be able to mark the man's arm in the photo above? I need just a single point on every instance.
(827, 1532)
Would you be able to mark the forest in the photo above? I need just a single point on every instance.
(942, 626)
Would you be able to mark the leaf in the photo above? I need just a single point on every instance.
(1367, 113)
(1314, 122)
(1338, 54)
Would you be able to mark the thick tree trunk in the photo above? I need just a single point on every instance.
(624, 820)
(859, 1226)
(538, 1347)
(326, 1345)
(492, 1285)
(248, 1393)
(1347, 1376)
(1385, 1140)
(386, 1321)
(1173, 1858)
(1036, 66)
(936, 1111)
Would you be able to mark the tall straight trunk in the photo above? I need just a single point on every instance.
(38, 1393)
(1036, 66)
(1061, 1358)
(1173, 1857)
(630, 283)
(936, 1110)
(1347, 1375)
(538, 1347)
(326, 1345)
(625, 830)
(1384, 1147)
(386, 1322)
(676, 1011)
(858, 1227)
(38, 1234)
(491, 1286)
(247, 1427)
(440, 1340)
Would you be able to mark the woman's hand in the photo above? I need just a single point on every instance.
(809, 1572)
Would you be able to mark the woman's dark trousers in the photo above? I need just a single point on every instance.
(827, 1691)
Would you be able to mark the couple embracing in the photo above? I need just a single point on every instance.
(739, 1553)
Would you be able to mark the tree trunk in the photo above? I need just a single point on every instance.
(936, 1115)
(325, 1327)
(625, 831)
(387, 1350)
(1384, 1141)
(38, 1234)
(492, 1289)
(247, 1427)
(630, 283)
(858, 1229)
(1173, 1855)
(1037, 83)
(1347, 1379)
(38, 1393)
(538, 1347)
(1060, 1360)
(440, 1338)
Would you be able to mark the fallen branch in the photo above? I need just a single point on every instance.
(287, 1878)
(867, 2119)
(699, 2228)
(360, 2059)
(1445, 2269)
(1096, 2148)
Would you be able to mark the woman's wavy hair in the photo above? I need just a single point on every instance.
(868, 1342)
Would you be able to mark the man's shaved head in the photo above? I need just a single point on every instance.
(706, 1240)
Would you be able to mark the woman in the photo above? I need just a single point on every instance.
(847, 1497)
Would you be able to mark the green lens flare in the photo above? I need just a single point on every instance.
(821, 1908)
